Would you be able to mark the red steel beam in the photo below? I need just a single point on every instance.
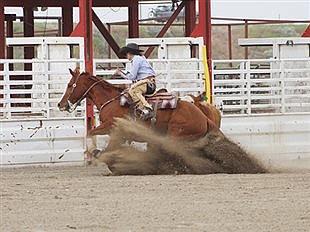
(105, 33)
(9, 18)
(208, 37)
(246, 35)
(229, 42)
(67, 20)
(2, 36)
(9, 33)
(306, 32)
(166, 27)
(84, 29)
(190, 17)
(62, 3)
(85, 7)
(203, 28)
(28, 32)
(2, 43)
(133, 20)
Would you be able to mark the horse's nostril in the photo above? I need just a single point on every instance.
(58, 104)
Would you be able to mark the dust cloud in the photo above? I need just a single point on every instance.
(212, 154)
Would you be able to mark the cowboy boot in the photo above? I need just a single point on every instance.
(147, 112)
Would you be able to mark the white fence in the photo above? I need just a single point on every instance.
(182, 76)
(266, 107)
(32, 128)
(262, 86)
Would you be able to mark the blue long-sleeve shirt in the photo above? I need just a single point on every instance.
(140, 69)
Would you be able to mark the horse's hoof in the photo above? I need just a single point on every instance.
(89, 162)
(96, 153)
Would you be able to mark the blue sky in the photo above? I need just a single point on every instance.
(263, 9)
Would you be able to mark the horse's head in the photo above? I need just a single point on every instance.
(74, 92)
(193, 99)
(200, 98)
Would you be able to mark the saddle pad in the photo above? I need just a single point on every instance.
(163, 101)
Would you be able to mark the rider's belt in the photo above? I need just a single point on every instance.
(151, 78)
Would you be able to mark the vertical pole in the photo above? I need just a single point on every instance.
(190, 17)
(28, 32)
(209, 36)
(28, 51)
(109, 47)
(85, 7)
(9, 33)
(229, 43)
(204, 29)
(2, 37)
(67, 20)
(246, 35)
(60, 27)
(2, 43)
(133, 20)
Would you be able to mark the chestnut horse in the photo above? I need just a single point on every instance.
(208, 109)
(184, 122)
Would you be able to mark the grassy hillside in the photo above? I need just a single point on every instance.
(219, 35)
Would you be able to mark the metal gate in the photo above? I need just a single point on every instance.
(32, 129)
(266, 106)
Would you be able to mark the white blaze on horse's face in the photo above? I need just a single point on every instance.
(63, 104)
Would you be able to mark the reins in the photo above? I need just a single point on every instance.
(111, 100)
(87, 91)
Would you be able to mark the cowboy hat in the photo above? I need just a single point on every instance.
(130, 47)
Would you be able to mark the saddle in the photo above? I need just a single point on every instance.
(159, 100)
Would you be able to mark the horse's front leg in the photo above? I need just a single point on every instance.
(92, 140)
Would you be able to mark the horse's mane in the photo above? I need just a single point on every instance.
(103, 82)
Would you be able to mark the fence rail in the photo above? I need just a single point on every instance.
(267, 86)
(240, 87)
(35, 93)
(182, 76)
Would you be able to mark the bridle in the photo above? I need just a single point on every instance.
(72, 106)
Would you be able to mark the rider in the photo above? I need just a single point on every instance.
(142, 74)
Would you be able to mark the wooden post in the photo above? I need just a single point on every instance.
(28, 32)
(67, 20)
(2, 36)
(229, 43)
(246, 35)
(133, 19)
(190, 17)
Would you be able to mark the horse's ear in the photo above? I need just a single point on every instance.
(71, 72)
(202, 96)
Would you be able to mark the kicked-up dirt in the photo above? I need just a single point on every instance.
(78, 198)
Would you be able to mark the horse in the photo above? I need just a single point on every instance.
(208, 109)
(185, 122)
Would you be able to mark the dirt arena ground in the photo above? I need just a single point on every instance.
(75, 198)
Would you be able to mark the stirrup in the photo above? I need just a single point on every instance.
(147, 113)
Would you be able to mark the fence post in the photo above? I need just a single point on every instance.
(248, 85)
(6, 90)
(282, 84)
